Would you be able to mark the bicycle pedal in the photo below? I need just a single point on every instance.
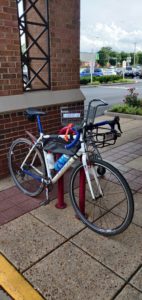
(98, 197)
(45, 202)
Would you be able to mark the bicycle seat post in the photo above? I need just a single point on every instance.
(40, 129)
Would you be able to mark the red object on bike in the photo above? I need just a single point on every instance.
(69, 127)
(64, 129)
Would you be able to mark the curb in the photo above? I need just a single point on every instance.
(15, 285)
(132, 117)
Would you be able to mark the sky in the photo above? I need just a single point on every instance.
(114, 23)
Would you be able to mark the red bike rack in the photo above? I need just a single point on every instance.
(60, 203)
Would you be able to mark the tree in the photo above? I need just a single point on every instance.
(104, 55)
(139, 58)
(123, 56)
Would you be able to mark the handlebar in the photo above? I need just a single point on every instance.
(111, 123)
(74, 142)
(91, 126)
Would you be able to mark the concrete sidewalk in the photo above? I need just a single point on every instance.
(59, 256)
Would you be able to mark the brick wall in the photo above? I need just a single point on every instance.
(13, 125)
(64, 18)
(10, 60)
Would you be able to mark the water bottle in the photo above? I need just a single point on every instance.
(50, 160)
(61, 162)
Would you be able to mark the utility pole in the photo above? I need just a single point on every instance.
(135, 54)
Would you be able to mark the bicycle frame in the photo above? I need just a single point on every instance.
(69, 163)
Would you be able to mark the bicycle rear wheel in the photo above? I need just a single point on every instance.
(35, 165)
(110, 213)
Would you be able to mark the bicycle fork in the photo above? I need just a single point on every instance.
(91, 170)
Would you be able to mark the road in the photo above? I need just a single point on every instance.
(111, 94)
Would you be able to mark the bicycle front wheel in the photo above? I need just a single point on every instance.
(111, 210)
(28, 184)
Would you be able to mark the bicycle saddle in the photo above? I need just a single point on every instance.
(33, 112)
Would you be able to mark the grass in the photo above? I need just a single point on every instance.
(126, 109)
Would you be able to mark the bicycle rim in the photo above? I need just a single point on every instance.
(108, 214)
(34, 164)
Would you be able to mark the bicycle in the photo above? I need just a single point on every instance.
(109, 206)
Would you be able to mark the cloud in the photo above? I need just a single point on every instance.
(103, 34)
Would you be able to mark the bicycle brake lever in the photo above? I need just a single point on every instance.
(115, 121)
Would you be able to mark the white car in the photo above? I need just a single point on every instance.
(109, 72)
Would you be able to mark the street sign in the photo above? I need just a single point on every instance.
(124, 64)
(92, 65)
(97, 56)
(129, 59)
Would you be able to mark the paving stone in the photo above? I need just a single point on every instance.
(137, 280)
(26, 240)
(69, 273)
(138, 209)
(136, 163)
(135, 172)
(134, 185)
(6, 183)
(62, 220)
(129, 293)
(122, 253)
(137, 219)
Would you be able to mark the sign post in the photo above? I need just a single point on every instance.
(92, 64)
(124, 66)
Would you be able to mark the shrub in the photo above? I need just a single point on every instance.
(127, 109)
(101, 79)
(132, 98)
(84, 81)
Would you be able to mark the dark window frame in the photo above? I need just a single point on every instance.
(26, 59)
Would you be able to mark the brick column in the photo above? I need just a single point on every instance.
(10, 59)
(64, 18)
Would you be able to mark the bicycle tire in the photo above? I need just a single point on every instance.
(17, 152)
(114, 211)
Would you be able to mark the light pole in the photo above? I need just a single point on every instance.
(135, 53)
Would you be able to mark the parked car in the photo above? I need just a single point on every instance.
(119, 71)
(138, 71)
(129, 72)
(140, 74)
(25, 74)
(98, 72)
(109, 71)
(86, 72)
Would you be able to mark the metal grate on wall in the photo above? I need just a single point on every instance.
(34, 39)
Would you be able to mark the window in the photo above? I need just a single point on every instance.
(34, 39)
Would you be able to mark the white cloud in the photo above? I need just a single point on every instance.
(104, 34)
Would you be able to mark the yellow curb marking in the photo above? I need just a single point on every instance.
(14, 283)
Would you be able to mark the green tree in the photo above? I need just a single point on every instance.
(139, 58)
(114, 58)
(104, 55)
(123, 56)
